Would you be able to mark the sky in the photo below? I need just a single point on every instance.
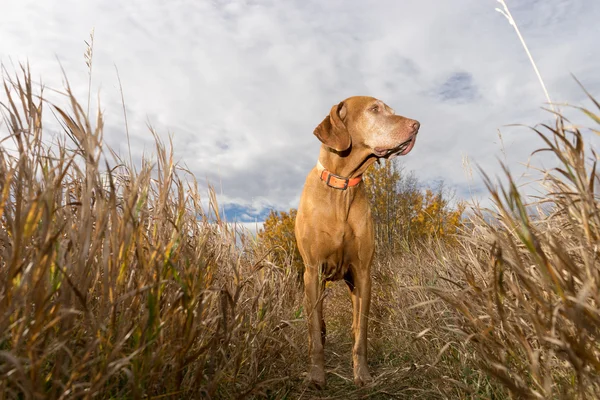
(240, 85)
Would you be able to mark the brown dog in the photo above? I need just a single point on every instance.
(334, 228)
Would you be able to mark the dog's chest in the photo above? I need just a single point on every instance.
(347, 250)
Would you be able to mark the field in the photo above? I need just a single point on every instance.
(119, 282)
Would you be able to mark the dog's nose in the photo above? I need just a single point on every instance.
(415, 125)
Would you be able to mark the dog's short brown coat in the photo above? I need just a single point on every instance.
(334, 228)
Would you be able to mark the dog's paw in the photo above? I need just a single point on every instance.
(362, 377)
(316, 378)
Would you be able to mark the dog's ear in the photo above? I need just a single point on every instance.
(332, 132)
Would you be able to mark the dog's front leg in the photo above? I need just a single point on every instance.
(313, 303)
(360, 291)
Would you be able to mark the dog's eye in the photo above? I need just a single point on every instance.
(375, 108)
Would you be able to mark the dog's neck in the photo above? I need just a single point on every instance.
(347, 164)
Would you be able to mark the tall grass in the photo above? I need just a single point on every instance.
(530, 296)
(531, 307)
(116, 283)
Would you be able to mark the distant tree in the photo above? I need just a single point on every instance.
(404, 213)
(277, 236)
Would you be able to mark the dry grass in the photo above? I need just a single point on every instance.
(118, 284)
(531, 305)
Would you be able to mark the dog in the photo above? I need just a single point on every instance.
(334, 227)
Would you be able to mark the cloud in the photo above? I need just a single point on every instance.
(241, 84)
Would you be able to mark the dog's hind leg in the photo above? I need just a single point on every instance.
(360, 292)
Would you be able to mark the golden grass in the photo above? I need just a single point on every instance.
(530, 305)
(116, 283)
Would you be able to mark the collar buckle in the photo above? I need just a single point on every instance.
(328, 181)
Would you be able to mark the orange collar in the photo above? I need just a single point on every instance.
(336, 181)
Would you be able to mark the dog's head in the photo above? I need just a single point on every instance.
(367, 124)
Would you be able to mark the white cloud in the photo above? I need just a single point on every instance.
(241, 84)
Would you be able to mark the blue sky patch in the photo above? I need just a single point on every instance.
(239, 213)
(459, 87)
